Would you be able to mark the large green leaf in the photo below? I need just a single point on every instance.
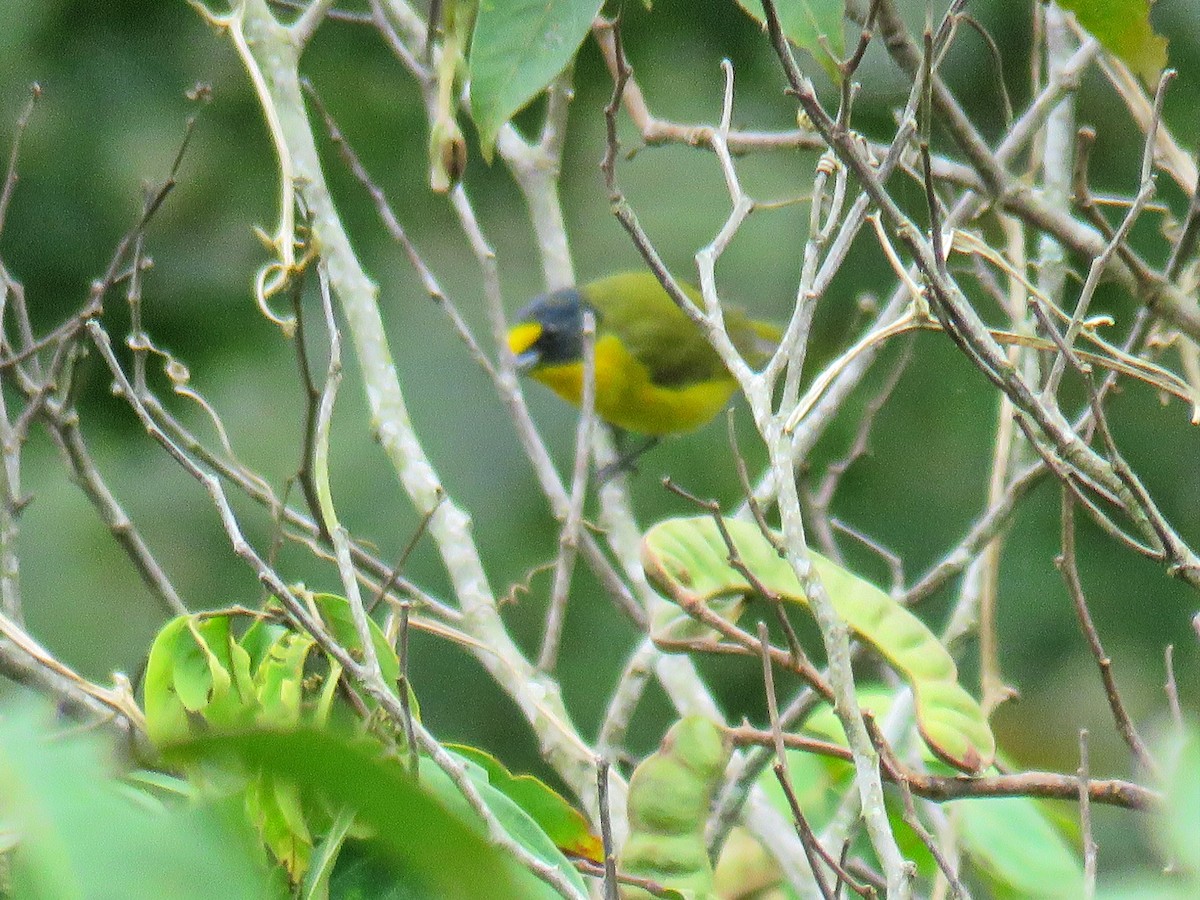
(563, 823)
(687, 559)
(1013, 843)
(815, 26)
(1123, 27)
(80, 835)
(412, 828)
(1017, 849)
(197, 671)
(166, 715)
(515, 821)
(518, 48)
(1179, 823)
(670, 794)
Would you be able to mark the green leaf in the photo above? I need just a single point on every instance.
(324, 859)
(196, 668)
(518, 48)
(815, 26)
(563, 823)
(1017, 849)
(518, 823)
(687, 560)
(335, 611)
(1179, 823)
(1123, 28)
(199, 675)
(81, 837)
(410, 827)
(276, 810)
(670, 794)
(258, 640)
(166, 717)
(232, 698)
(280, 680)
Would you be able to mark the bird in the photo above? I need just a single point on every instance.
(655, 372)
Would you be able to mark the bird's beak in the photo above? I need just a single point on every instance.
(521, 340)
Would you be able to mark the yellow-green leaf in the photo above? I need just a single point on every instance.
(1123, 27)
(518, 48)
(687, 559)
(815, 26)
(563, 823)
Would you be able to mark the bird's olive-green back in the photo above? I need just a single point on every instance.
(637, 309)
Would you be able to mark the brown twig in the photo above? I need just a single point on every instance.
(941, 788)
(649, 885)
(743, 474)
(1066, 563)
(393, 576)
(821, 499)
(14, 153)
(910, 811)
(1188, 236)
(813, 850)
(606, 837)
(734, 558)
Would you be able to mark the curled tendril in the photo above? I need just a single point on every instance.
(268, 281)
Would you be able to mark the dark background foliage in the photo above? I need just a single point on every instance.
(114, 77)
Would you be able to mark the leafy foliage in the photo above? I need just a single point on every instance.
(1014, 845)
(79, 833)
(1123, 27)
(260, 716)
(688, 560)
(815, 26)
(517, 49)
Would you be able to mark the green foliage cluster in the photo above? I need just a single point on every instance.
(268, 717)
(276, 778)
(689, 560)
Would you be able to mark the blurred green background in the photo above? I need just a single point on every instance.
(114, 77)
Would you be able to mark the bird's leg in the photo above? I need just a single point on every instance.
(626, 456)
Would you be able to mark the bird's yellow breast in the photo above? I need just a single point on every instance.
(627, 398)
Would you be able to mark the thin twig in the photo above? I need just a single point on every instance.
(1171, 687)
(1085, 820)
(813, 850)
(734, 558)
(14, 153)
(942, 788)
(606, 838)
(1066, 563)
(414, 760)
(394, 575)
(910, 812)
(568, 540)
(1188, 235)
(333, 15)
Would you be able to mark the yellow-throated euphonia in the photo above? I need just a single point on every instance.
(656, 374)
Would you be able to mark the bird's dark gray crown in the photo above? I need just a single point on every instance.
(560, 313)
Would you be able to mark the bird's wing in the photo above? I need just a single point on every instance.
(636, 308)
(657, 333)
